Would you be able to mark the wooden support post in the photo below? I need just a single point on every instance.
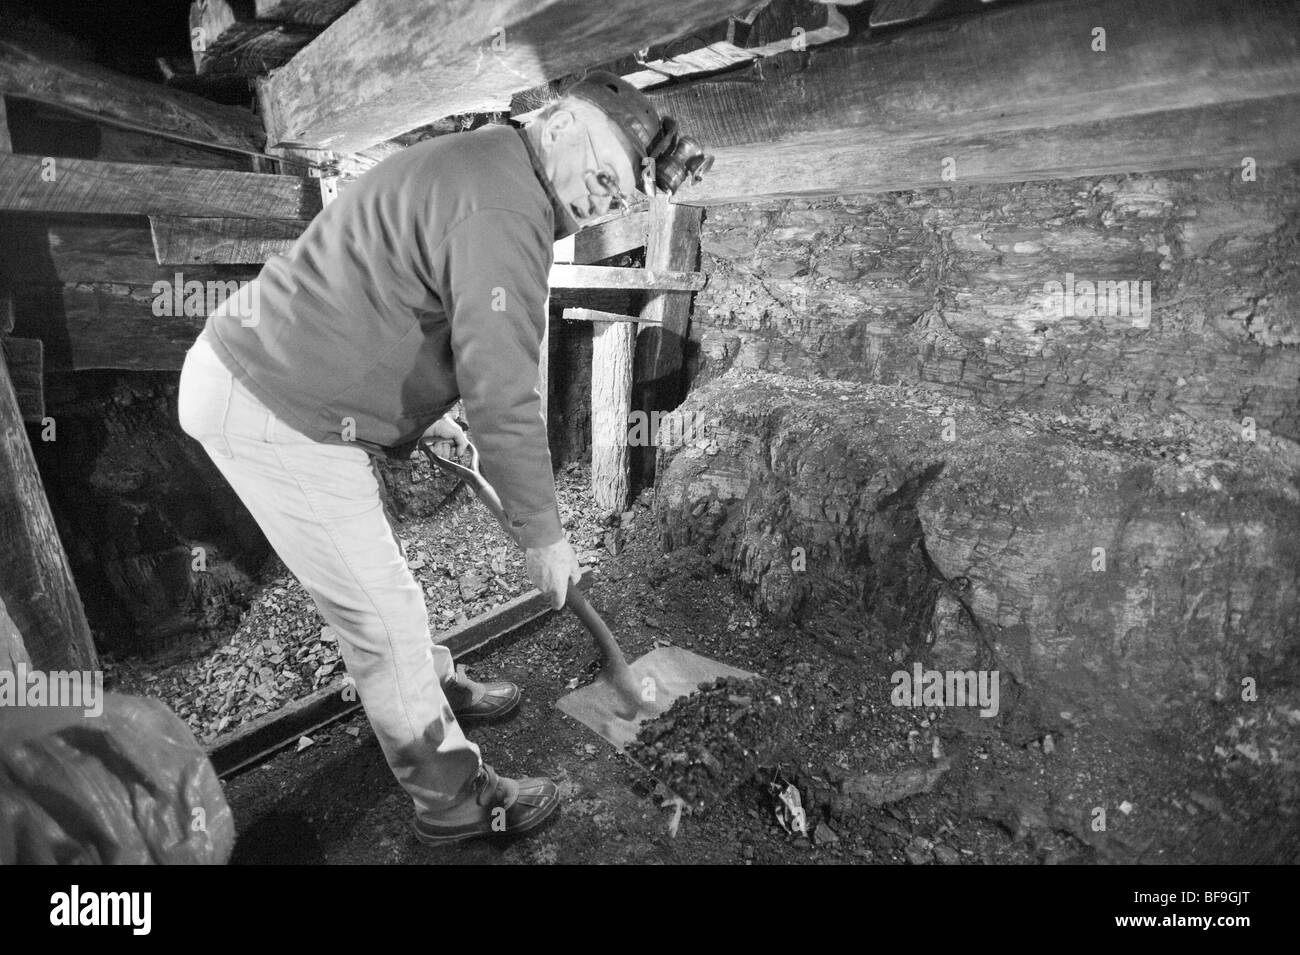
(612, 347)
(36, 585)
(563, 253)
(673, 244)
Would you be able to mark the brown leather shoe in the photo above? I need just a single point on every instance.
(474, 702)
(509, 807)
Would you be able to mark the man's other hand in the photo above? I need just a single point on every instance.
(445, 434)
(552, 569)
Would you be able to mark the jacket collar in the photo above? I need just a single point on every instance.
(565, 224)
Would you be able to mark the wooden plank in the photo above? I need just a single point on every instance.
(640, 280)
(30, 184)
(888, 13)
(593, 315)
(42, 252)
(783, 25)
(185, 240)
(97, 327)
(25, 70)
(863, 117)
(612, 347)
(225, 38)
(27, 374)
(387, 66)
(674, 243)
(312, 13)
(843, 164)
(610, 238)
(36, 585)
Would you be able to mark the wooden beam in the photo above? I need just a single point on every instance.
(88, 86)
(592, 315)
(42, 252)
(863, 117)
(612, 347)
(674, 243)
(888, 13)
(1216, 136)
(312, 13)
(225, 38)
(36, 585)
(36, 184)
(101, 327)
(610, 238)
(27, 374)
(186, 240)
(633, 280)
(387, 66)
(182, 240)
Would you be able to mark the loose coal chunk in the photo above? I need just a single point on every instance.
(709, 743)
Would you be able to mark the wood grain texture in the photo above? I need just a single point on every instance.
(610, 238)
(25, 358)
(89, 86)
(316, 13)
(387, 66)
(110, 250)
(225, 38)
(674, 243)
(605, 277)
(612, 347)
(36, 585)
(186, 240)
(87, 186)
(883, 113)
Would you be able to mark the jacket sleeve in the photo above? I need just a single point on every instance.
(496, 266)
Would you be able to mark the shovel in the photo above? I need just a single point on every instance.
(623, 695)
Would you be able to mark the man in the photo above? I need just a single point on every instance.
(423, 283)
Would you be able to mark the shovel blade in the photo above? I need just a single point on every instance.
(664, 674)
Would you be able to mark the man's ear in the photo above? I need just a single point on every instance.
(559, 125)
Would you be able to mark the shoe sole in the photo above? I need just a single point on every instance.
(533, 825)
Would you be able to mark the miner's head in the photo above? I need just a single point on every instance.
(603, 139)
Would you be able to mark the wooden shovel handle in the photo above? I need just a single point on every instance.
(609, 648)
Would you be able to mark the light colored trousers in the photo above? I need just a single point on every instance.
(319, 506)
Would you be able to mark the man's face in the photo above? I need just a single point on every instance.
(578, 144)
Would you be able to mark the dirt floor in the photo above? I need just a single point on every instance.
(879, 783)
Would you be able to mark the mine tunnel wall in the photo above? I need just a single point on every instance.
(1102, 505)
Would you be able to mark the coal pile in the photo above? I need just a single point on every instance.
(709, 743)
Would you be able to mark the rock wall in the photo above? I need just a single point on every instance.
(946, 287)
(1119, 563)
(133, 496)
(902, 410)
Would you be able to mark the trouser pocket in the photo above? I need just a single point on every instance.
(203, 398)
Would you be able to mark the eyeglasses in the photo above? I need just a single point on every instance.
(609, 183)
